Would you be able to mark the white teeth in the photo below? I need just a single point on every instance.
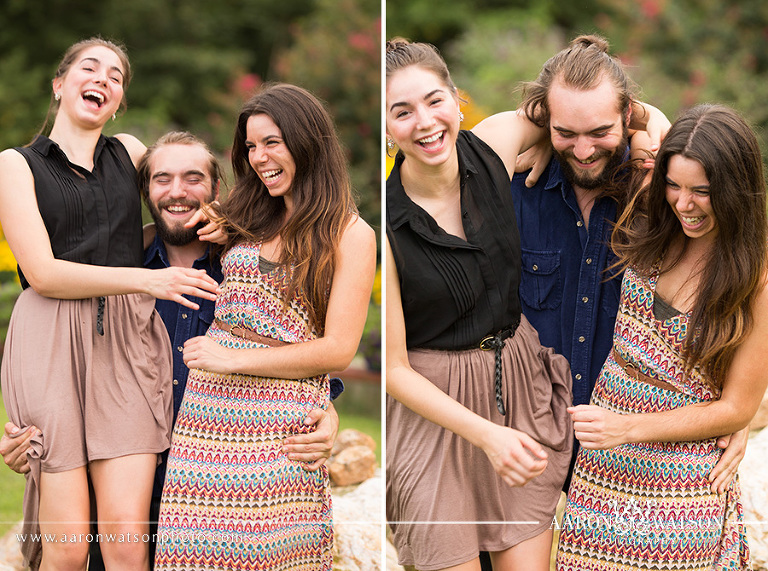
(178, 208)
(96, 94)
(692, 221)
(432, 139)
(270, 174)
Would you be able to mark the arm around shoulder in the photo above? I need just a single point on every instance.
(509, 133)
(135, 148)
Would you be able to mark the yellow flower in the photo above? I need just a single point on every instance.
(376, 294)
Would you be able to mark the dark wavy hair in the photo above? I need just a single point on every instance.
(722, 142)
(323, 204)
(582, 65)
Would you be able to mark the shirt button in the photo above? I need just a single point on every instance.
(175, 381)
(577, 377)
(581, 339)
(183, 315)
(585, 299)
(535, 268)
(579, 224)
(180, 348)
(589, 261)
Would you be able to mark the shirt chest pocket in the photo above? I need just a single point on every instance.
(541, 286)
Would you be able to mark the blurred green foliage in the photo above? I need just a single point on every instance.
(681, 52)
(195, 62)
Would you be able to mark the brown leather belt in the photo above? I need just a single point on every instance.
(632, 370)
(249, 334)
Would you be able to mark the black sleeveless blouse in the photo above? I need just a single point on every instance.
(91, 217)
(455, 292)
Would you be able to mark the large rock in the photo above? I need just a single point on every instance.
(351, 437)
(754, 486)
(357, 521)
(352, 465)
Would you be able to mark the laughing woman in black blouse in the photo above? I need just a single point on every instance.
(87, 359)
(476, 407)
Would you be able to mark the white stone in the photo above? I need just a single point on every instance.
(754, 487)
(357, 522)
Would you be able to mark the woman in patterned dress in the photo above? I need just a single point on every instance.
(688, 362)
(298, 272)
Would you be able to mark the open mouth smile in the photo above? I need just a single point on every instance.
(428, 142)
(94, 96)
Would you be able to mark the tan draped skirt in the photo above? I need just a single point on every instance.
(436, 480)
(93, 397)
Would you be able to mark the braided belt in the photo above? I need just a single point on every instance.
(100, 316)
(496, 343)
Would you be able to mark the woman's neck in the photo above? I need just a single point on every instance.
(679, 284)
(428, 181)
(438, 191)
(77, 143)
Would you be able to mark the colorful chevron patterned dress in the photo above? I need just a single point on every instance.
(648, 505)
(232, 499)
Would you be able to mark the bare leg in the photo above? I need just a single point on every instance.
(473, 565)
(123, 488)
(64, 515)
(530, 555)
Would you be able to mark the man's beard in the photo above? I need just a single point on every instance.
(588, 181)
(179, 235)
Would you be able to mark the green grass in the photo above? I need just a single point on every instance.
(11, 489)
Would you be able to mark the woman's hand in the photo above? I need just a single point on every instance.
(536, 159)
(175, 282)
(516, 457)
(14, 446)
(314, 447)
(204, 353)
(648, 118)
(734, 445)
(598, 428)
(211, 232)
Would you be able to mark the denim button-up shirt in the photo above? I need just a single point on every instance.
(182, 322)
(563, 288)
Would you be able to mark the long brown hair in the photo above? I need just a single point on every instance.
(70, 57)
(722, 142)
(322, 196)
